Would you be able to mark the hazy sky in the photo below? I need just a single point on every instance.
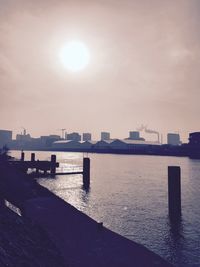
(144, 68)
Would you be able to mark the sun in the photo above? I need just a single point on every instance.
(75, 56)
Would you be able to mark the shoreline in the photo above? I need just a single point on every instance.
(81, 240)
(105, 151)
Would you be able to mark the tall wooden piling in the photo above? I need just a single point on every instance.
(32, 156)
(22, 156)
(174, 191)
(86, 172)
(53, 164)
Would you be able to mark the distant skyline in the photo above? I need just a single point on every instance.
(143, 69)
(147, 134)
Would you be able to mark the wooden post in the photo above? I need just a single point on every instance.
(86, 172)
(22, 155)
(32, 156)
(37, 170)
(174, 191)
(53, 164)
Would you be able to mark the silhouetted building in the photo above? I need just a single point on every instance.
(48, 140)
(194, 145)
(105, 136)
(134, 135)
(194, 138)
(103, 144)
(87, 137)
(73, 136)
(5, 137)
(23, 137)
(173, 139)
(88, 144)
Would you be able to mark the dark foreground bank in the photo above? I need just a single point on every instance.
(24, 244)
(80, 240)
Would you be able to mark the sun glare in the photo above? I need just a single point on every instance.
(75, 56)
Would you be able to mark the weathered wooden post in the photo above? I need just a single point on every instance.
(86, 172)
(174, 191)
(53, 164)
(22, 155)
(37, 168)
(32, 156)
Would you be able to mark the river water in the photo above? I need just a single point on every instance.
(128, 193)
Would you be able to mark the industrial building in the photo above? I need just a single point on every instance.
(105, 136)
(5, 137)
(135, 135)
(194, 138)
(88, 144)
(23, 137)
(115, 144)
(173, 139)
(103, 144)
(87, 137)
(66, 144)
(129, 144)
(73, 136)
(48, 140)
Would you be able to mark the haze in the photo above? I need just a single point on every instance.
(144, 66)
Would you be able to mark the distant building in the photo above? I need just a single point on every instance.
(23, 137)
(87, 137)
(73, 136)
(134, 135)
(66, 144)
(88, 144)
(48, 140)
(103, 144)
(194, 145)
(5, 137)
(194, 138)
(119, 144)
(105, 136)
(173, 139)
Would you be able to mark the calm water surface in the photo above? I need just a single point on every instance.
(128, 194)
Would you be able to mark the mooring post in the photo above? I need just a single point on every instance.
(86, 172)
(37, 168)
(22, 155)
(174, 191)
(32, 156)
(53, 164)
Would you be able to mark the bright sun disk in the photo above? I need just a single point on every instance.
(75, 56)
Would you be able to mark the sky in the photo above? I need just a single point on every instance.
(144, 66)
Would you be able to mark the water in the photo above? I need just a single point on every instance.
(129, 195)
